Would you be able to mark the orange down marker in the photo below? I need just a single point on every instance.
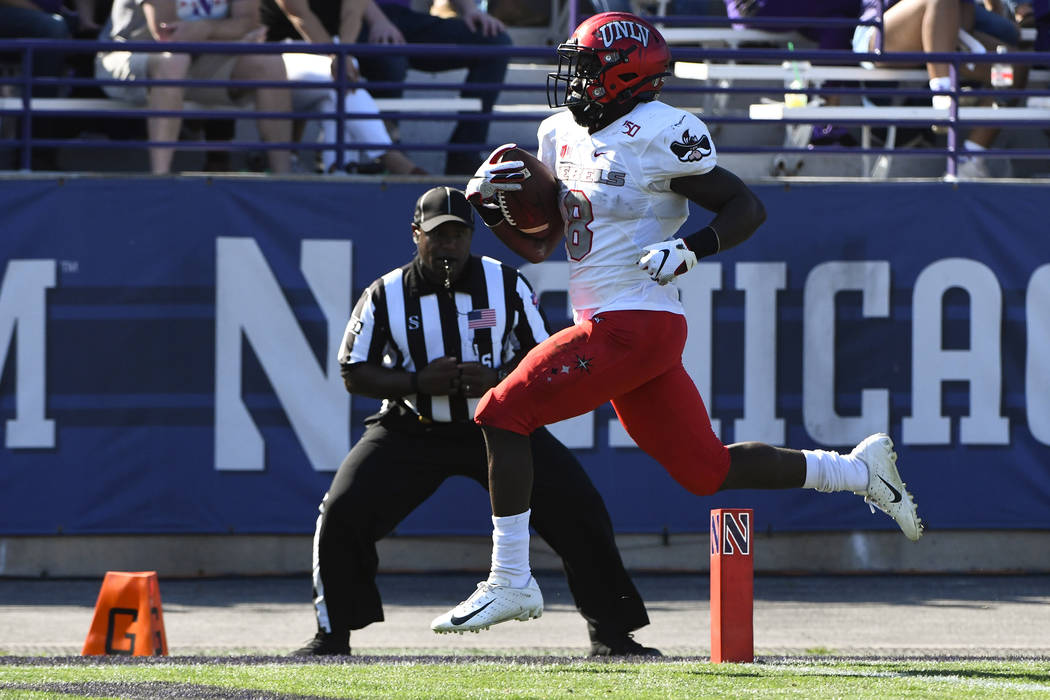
(732, 586)
(128, 618)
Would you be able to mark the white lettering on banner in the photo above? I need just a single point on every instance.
(23, 304)
(1037, 366)
(760, 282)
(249, 301)
(821, 419)
(980, 365)
(250, 305)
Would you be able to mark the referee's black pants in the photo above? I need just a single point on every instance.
(398, 463)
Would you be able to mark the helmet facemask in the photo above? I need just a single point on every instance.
(612, 61)
(583, 72)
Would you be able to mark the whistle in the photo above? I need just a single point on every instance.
(448, 272)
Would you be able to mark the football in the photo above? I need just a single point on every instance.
(533, 209)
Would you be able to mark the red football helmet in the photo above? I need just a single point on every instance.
(611, 58)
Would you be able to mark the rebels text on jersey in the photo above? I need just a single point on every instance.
(617, 198)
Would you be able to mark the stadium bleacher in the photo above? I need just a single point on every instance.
(736, 89)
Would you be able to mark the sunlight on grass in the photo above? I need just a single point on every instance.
(488, 677)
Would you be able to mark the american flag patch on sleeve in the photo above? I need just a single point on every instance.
(481, 318)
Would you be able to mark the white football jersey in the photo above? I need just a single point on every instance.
(617, 198)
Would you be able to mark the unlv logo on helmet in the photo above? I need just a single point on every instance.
(613, 31)
(611, 58)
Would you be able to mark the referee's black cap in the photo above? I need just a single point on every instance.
(440, 205)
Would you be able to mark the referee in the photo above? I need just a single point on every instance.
(430, 338)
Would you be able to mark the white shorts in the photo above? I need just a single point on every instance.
(130, 67)
(862, 39)
(316, 67)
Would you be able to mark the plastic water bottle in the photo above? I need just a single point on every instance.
(792, 96)
(1002, 73)
(793, 82)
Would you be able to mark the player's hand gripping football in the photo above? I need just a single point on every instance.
(494, 176)
(666, 260)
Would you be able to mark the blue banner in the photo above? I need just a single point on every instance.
(167, 353)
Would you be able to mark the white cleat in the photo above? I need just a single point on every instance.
(493, 602)
(885, 489)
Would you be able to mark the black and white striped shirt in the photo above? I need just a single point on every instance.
(404, 321)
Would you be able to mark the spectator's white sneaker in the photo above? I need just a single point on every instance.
(493, 602)
(973, 168)
(885, 488)
(942, 101)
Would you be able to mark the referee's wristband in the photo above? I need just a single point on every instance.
(414, 379)
(704, 242)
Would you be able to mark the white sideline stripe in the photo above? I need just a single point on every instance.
(47, 104)
(776, 111)
(774, 72)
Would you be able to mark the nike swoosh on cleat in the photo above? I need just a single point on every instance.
(460, 620)
(896, 495)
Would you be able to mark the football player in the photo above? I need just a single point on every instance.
(629, 166)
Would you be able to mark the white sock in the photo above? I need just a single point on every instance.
(941, 101)
(942, 83)
(510, 549)
(830, 471)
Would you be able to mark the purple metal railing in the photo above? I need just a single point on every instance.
(25, 81)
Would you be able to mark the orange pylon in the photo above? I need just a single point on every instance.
(128, 618)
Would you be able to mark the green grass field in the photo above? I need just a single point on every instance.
(518, 677)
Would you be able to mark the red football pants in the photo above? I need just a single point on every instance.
(634, 359)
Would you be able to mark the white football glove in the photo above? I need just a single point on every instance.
(666, 260)
(494, 176)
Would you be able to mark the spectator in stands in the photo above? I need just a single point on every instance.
(323, 22)
(992, 17)
(827, 38)
(913, 26)
(694, 7)
(87, 21)
(929, 26)
(37, 19)
(610, 6)
(193, 21)
(1041, 16)
(40, 19)
(1034, 13)
(394, 22)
